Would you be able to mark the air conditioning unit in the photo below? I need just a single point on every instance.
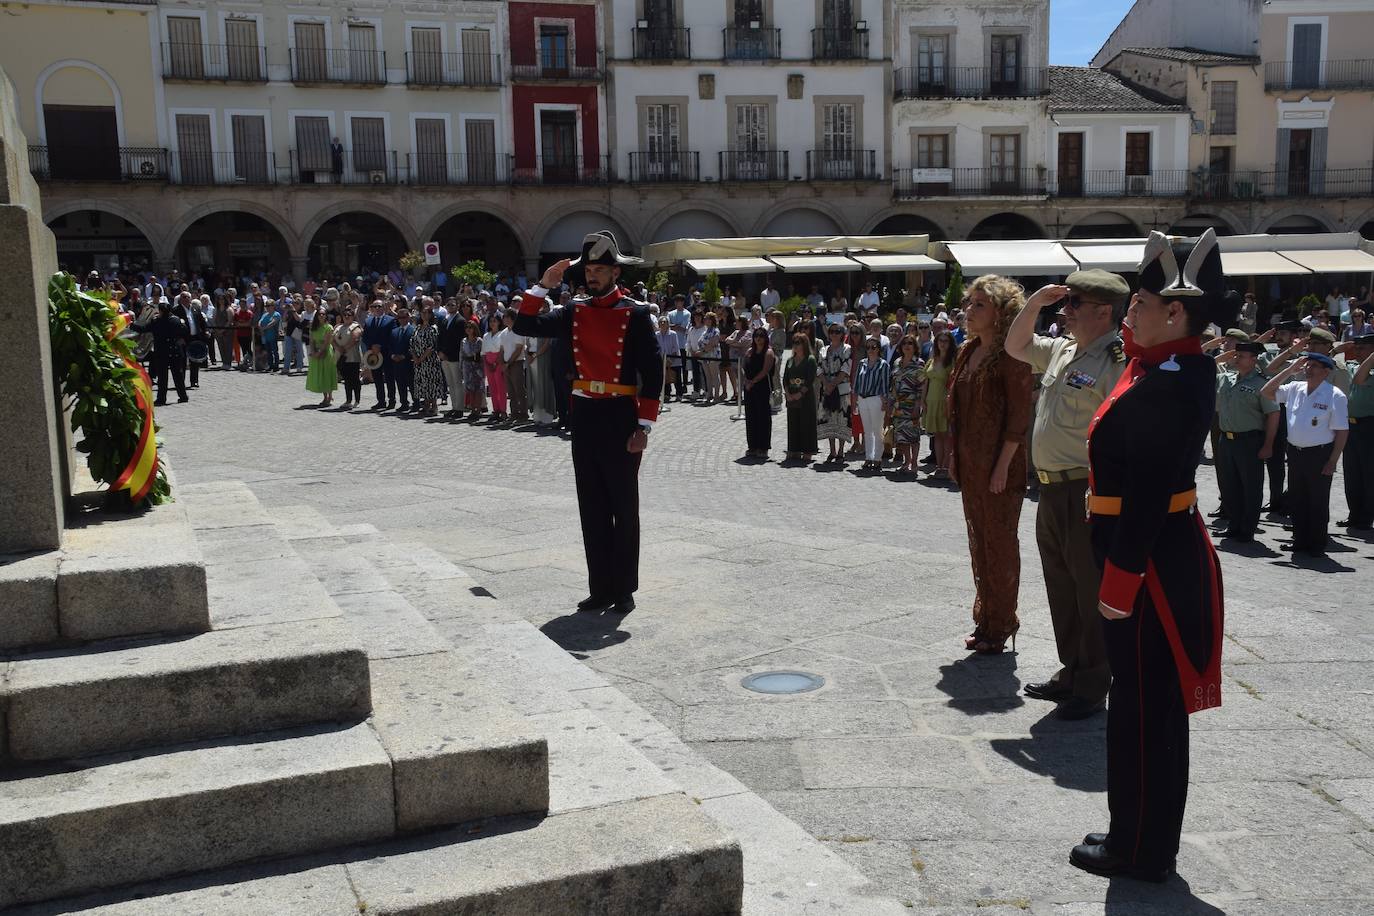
(377, 176)
(1198, 126)
(1138, 185)
(140, 166)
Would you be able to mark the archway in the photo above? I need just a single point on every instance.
(100, 240)
(81, 127)
(909, 224)
(1006, 227)
(564, 237)
(1105, 225)
(477, 236)
(802, 221)
(693, 224)
(232, 241)
(1195, 224)
(1297, 224)
(353, 244)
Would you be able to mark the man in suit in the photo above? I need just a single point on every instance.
(377, 339)
(618, 380)
(451, 333)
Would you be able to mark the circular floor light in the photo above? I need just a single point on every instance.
(782, 682)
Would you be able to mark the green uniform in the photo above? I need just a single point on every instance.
(1277, 464)
(1074, 383)
(1357, 461)
(1241, 412)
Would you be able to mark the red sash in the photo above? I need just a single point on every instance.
(1201, 689)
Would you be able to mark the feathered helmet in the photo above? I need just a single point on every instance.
(1200, 277)
(601, 248)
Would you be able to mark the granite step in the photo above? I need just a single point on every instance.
(636, 858)
(124, 695)
(105, 822)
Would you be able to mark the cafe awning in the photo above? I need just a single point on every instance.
(1350, 261)
(731, 265)
(1123, 258)
(815, 263)
(665, 253)
(1035, 258)
(1258, 263)
(899, 262)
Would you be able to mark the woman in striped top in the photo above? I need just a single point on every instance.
(872, 385)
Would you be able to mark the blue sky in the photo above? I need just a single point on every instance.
(1078, 28)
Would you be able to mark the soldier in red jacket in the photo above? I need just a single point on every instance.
(618, 381)
(1161, 590)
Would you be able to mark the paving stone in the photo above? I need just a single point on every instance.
(387, 625)
(761, 765)
(1319, 868)
(898, 762)
(1265, 755)
(792, 717)
(1355, 795)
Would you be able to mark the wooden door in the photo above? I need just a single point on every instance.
(1071, 165)
(195, 161)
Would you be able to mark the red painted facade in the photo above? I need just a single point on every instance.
(527, 94)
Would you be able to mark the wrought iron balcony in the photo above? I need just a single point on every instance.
(914, 184)
(842, 165)
(1118, 183)
(753, 165)
(338, 65)
(665, 167)
(437, 169)
(85, 163)
(839, 44)
(560, 170)
(662, 44)
(558, 67)
(241, 167)
(970, 82)
(744, 43)
(1317, 183)
(437, 69)
(201, 62)
(1282, 75)
(355, 167)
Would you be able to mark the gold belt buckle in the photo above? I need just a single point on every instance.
(596, 387)
(1230, 435)
(1044, 478)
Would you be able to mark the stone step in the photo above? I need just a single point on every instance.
(127, 695)
(638, 858)
(107, 822)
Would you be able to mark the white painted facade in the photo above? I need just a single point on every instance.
(1104, 142)
(1228, 26)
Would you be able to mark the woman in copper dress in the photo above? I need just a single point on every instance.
(989, 411)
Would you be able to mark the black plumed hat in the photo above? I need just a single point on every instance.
(1192, 274)
(601, 248)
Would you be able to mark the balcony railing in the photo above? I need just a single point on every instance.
(1327, 74)
(753, 165)
(1118, 183)
(84, 163)
(1317, 183)
(246, 167)
(561, 170)
(970, 82)
(560, 67)
(914, 184)
(437, 169)
(338, 65)
(436, 68)
(231, 63)
(753, 44)
(662, 44)
(674, 166)
(842, 165)
(354, 167)
(839, 44)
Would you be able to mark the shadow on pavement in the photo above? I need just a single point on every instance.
(971, 682)
(583, 633)
(1073, 754)
(1128, 897)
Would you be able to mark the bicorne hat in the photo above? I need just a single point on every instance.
(1178, 271)
(601, 248)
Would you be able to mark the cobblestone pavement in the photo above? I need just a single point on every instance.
(919, 764)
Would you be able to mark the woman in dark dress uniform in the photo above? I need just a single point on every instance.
(1161, 589)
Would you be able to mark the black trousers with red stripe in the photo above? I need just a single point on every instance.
(607, 492)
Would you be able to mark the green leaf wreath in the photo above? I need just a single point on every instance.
(97, 384)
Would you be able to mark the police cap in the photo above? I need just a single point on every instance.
(1099, 286)
(1249, 346)
(1294, 326)
(1364, 340)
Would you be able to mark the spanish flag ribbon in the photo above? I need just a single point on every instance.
(138, 476)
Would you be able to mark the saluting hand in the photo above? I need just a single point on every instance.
(1047, 295)
(553, 277)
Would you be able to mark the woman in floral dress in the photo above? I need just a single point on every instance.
(474, 377)
(835, 365)
(907, 377)
(429, 376)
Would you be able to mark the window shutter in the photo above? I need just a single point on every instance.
(363, 65)
(312, 144)
(369, 144)
(480, 138)
(193, 149)
(184, 47)
(427, 56)
(1317, 183)
(431, 151)
(477, 57)
(241, 51)
(250, 147)
(1282, 139)
(310, 51)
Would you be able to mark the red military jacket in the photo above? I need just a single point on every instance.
(613, 342)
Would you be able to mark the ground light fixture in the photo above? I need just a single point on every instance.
(782, 682)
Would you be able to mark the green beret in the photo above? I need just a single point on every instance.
(1322, 334)
(1237, 334)
(1099, 286)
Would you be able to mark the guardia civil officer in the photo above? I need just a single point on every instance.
(1284, 335)
(1161, 582)
(615, 399)
(1077, 371)
(1249, 422)
(1358, 456)
(1317, 430)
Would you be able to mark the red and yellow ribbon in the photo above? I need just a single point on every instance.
(139, 474)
